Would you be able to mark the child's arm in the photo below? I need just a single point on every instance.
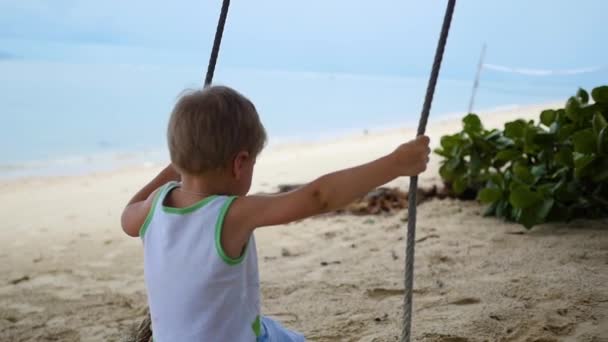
(327, 193)
(134, 214)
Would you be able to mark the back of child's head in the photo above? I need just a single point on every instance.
(209, 127)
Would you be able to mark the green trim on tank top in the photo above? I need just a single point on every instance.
(160, 193)
(188, 209)
(256, 326)
(218, 235)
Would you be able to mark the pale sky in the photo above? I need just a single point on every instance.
(380, 36)
(78, 75)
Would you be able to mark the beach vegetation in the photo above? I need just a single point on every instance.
(532, 172)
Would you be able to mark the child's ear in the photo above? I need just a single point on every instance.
(238, 167)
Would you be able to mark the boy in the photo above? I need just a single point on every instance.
(196, 220)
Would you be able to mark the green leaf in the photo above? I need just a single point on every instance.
(602, 141)
(453, 163)
(563, 156)
(573, 109)
(472, 124)
(451, 143)
(481, 145)
(536, 214)
(522, 172)
(522, 197)
(543, 209)
(544, 139)
(600, 94)
(560, 116)
(538, 171)
(567, 192)
(474, 163)
(508, 155)
(498, 180)
(547, 117)
(504, 142)
(555, 126)
(565, 132)
(561, 173)
(502, 209)
(489, 195)
(491, 210)
(446, 175)
(587, 112)
(582, 95)
(581, 163)
(515, 214)
(584, 141)
(530, 135)
(493, 134)
(601, 176)
(515, 129)
(545, 189)
(599, 123)
(441, 152)
(459, 185)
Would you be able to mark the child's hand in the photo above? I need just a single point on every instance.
(412, 157)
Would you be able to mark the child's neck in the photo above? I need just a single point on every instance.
(208, 184)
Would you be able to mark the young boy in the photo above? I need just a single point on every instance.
(196, 220)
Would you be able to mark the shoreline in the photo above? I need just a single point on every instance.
(110, 162)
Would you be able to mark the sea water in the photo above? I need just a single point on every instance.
(60, 118)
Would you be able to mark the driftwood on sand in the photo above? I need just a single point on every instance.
(379, 201)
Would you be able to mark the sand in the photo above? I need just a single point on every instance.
(68, 273)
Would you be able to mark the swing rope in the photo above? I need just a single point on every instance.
(411, 222)
(217, 41)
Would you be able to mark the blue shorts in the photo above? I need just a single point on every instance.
(273, 331)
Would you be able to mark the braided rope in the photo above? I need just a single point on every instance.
(411, 223)
(217, 42)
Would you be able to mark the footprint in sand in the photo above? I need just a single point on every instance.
(466, 301)
(438, 258)
(9, 315)
(25, 308)
(329, 235)
(446, 338)
(454, 339)
(380, 292)
(383, 293)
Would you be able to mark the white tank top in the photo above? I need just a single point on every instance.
(195, 291)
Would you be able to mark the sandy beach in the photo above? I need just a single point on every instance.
(69, 273)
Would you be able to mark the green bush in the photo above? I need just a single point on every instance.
(531, 173)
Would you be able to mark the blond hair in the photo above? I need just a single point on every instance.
(208, 127)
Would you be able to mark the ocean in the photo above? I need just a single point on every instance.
(69, 118)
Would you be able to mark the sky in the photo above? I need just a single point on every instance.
(352, 36)
(77, 76)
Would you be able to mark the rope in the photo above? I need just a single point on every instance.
(217, 42)
(411, 223)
